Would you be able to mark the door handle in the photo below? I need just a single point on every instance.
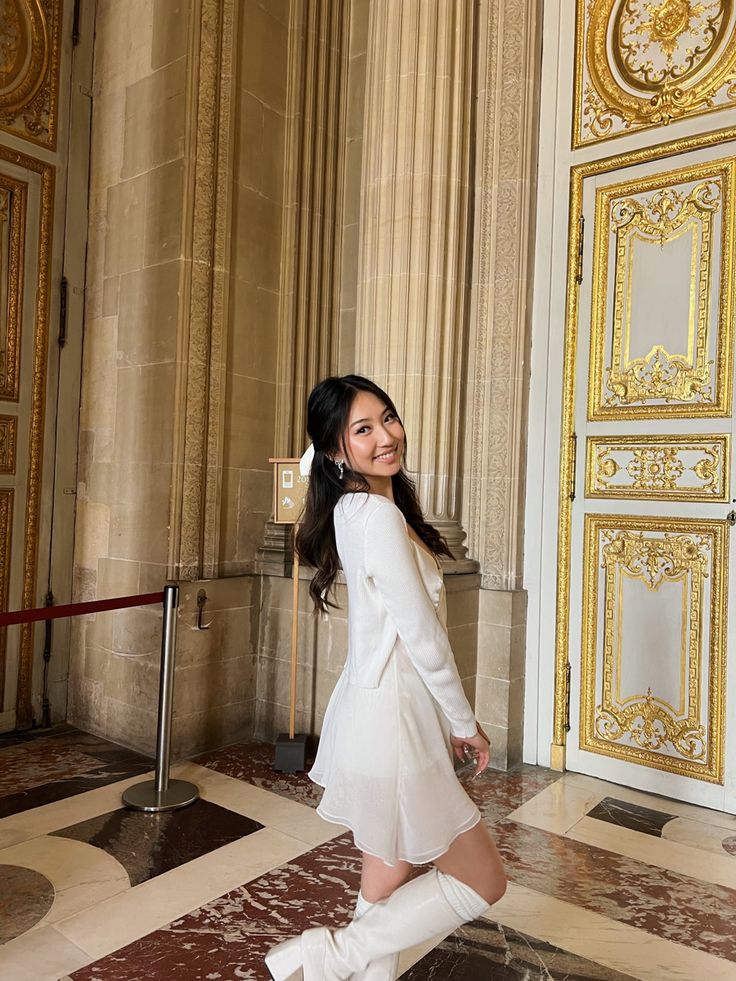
(731, 518)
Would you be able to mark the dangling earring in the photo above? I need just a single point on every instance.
(340, 464)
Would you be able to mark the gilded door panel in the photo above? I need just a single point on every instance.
(646, 63)
(644, 578)
(40, 113)
(26, 229)
(646, 410)
(653, 646)
(662, 305)
(659, 467)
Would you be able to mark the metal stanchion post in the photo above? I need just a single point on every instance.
(162, 793)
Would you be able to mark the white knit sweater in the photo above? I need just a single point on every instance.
(390, 595)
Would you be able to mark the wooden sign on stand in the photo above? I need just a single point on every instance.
(289, 494)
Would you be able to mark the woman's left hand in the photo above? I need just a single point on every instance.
(474, 747)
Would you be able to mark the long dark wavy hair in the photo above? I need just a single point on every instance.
(328, 414)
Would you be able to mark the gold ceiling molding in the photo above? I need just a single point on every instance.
(645, 727)
(578, 175)
(29, 69)
(644, 63)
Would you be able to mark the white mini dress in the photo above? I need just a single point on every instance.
(384, 756)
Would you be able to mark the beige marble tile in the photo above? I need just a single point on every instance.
(558, 807)
(62, 813)
(41, 955)
(562, 809)
(149, 906)
(694, 812)
(609, 942)
(720, 870)
(81, 874)
(708, 837)
(287, 816)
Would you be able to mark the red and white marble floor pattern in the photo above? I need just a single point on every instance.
(605, 883)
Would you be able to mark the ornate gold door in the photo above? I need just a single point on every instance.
(646, 496)
(35, 110)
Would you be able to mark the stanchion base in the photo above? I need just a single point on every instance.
(143, 796)
(291, 754)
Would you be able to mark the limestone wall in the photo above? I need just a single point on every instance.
(253, 321)
(127, 414)
(141, 256)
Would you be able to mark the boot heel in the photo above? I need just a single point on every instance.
(285, 960)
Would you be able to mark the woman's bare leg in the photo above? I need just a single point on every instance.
(378, 880)
(473, 859)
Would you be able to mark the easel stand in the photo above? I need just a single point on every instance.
(291, 749)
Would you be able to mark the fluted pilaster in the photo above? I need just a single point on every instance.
(310, 278)
(202, 313)
(414, 250)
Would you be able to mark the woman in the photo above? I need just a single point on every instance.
(398, 710)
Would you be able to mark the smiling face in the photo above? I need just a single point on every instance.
(374, 442)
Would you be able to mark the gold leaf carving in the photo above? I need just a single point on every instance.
(13, 197)
(642, 63)
(29, 68)
(7, 444)
(707, 469)
(652, 727)
(656, 468)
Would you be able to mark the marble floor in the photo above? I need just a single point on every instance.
(605, 883)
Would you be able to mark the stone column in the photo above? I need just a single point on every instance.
(414, 266)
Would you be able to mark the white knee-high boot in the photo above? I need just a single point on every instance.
(423, 908)
(385, 969)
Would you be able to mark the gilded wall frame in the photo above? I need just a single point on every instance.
(713, 469)
(681, 537)
(683, 405)
(578, 174)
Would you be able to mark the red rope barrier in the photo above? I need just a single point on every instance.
(74, 609)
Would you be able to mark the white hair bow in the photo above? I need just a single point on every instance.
(305, 464)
